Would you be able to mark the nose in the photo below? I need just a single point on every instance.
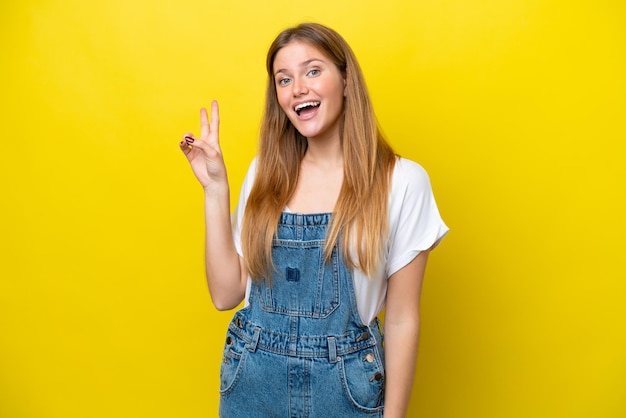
(299, 87)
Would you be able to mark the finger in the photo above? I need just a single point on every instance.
(190, 142)
(187, 142)
(215, 118)
(204, 124)
(189, 138)
(185, 146)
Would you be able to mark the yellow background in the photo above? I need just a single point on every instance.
(515, 107)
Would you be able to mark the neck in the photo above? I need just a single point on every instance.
(324, 152)
(327, 156)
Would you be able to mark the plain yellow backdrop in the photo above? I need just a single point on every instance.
(515, 107)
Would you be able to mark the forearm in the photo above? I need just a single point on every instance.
(402, 325)
(401, 344)
(223, 269)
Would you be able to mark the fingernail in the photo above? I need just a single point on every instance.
(189, 139)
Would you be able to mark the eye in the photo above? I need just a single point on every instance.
(283, 81)
(314, 72)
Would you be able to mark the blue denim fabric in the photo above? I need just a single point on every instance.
(300, 349)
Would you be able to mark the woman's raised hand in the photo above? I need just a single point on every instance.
(204, 154)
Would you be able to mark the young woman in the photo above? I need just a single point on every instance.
(331, 226)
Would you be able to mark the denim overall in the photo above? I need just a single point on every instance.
(300, 349)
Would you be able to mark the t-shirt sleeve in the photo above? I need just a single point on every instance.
(415, 224)
(237, 215)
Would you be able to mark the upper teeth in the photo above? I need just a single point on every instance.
(306, 104)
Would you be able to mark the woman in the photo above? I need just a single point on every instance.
(331, 227)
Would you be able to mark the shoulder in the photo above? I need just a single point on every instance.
(252, 168)
(250, 175)
(409, 175)
(246, 186)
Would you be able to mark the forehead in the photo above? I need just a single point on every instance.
(297, 53)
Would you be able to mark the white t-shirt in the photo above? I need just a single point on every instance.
(414, 226)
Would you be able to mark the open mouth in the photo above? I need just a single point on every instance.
(305, 107)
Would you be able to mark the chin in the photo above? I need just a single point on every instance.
(304, 131)
(309, 133)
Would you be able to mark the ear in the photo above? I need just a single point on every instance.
(345, 87)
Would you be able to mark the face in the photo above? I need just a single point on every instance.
(310, 90)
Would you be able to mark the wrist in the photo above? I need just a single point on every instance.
(216, 189)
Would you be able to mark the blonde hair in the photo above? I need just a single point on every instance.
(360, 213)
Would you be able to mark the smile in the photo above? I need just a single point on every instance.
(305, 106)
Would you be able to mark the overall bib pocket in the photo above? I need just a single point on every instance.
(301, 270)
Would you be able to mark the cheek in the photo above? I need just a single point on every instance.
(337, 89)
(283, 101)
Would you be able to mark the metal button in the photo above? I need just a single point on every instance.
(363, 336)
(369, 358)
(229, 340)
(377, 376)
(238, 323)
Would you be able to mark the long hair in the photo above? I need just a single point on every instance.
(360, 213)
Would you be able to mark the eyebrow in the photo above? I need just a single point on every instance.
(302, 64)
